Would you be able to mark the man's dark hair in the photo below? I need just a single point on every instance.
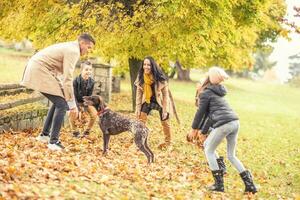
(87, 37)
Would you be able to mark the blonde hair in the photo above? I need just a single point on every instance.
(217, 75)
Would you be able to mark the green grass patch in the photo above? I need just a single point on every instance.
(12, 65)
(12, 52)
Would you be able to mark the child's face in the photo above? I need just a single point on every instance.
(87, 71)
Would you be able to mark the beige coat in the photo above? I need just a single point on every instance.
(161, 95)
(51, 70)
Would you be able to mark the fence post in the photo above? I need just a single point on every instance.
(103, 79)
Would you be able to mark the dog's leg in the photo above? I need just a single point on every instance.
(149, 150)
(141, 145)
(105, 143)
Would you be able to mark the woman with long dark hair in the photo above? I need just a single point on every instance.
(152, 93)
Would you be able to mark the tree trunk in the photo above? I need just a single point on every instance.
(182, 74)
(134, 65)
(172, 74)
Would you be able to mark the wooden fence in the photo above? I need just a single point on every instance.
(20, 114)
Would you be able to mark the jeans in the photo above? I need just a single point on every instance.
(55, 117)
(230, 131)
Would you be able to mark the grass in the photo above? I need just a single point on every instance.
(12, 52)
(12, 65)
(268, 145)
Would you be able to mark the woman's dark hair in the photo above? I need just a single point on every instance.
(157, 72)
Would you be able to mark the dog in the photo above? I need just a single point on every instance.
(112, 123)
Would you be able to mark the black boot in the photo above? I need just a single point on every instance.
(248, 180)
(219, 182)
(221, 164)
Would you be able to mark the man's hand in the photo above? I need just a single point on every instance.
(74, 112)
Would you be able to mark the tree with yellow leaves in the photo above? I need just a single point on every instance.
(198, 33)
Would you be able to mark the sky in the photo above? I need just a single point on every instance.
(284, 48)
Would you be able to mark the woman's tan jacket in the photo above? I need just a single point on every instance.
(161, 95)
(51, 70)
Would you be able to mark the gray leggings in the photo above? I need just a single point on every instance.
(230, 131)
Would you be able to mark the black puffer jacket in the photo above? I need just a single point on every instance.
(213, 105)
(82, 88)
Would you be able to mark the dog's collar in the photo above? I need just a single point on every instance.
(101, 112)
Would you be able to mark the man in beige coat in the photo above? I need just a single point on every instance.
(50, 71)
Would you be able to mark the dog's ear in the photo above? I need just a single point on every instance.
(102, 104)
(102, 101)
(95, 101)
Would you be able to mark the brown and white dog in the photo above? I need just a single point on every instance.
(112, 123)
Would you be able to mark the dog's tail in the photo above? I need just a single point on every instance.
(174, 107)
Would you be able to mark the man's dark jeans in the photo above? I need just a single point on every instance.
(55, 117)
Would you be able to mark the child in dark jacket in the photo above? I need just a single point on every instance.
(225, 124)
(83, 85)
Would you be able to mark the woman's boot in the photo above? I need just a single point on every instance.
(221, 164)
(143, 117)
(167, 132)
(219, 181)
(248, 180)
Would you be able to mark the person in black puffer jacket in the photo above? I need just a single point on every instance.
(83, 85)
(213, 108)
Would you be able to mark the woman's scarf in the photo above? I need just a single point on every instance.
(148, 78)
